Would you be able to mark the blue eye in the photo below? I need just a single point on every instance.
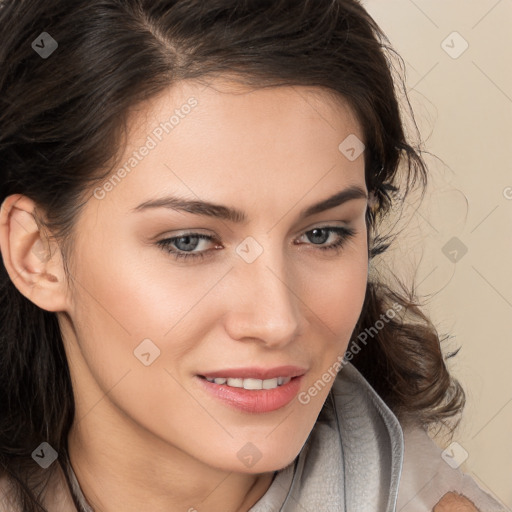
(186, 240)
(190, 241)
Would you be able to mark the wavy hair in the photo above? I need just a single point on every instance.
(62, 123)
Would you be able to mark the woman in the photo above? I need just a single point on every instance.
(191, 194)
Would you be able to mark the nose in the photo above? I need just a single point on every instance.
(264, 306)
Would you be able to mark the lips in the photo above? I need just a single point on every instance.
(254, 390)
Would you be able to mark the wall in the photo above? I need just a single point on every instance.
(459, 241)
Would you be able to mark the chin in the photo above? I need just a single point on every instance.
(264, 457)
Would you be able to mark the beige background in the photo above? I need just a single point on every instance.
(463, 106)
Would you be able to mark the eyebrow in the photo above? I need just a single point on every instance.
(238, 216)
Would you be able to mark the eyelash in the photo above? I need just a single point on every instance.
(344, 233)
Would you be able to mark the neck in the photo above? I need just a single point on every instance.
(131, 470)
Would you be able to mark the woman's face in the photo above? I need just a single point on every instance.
(255, 297)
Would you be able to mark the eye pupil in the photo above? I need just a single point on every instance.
(187, 239)
(323, 238)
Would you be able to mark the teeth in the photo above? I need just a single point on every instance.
(253, 384)
(250, 383)
(235, 383)
(270, 383)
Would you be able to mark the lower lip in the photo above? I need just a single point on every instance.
(255, 401)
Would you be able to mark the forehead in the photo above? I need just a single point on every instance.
(233, 112)
(226, 136)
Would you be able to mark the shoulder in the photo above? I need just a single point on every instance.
(431, 479)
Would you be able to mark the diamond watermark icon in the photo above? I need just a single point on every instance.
(146, 352)
(454, 249)
(249, 249)
(454, 45)
(249, 454)
(44, 455)
(44, 45)
(352, 147)
(454, 455)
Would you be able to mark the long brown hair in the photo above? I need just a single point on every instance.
(62, 121)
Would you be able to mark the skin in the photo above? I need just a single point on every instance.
(454, 502)
(149, 436)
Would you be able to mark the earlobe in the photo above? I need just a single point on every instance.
(33, 262)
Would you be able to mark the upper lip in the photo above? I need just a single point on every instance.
(257, 372)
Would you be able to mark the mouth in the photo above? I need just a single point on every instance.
(254, 390)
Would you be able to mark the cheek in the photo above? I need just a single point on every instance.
(335, 293)
(132, 295)
(335, 297)
(121, 303)
(133, 304)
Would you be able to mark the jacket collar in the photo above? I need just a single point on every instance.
(372, 441)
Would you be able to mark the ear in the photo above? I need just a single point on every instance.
(33, 261)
